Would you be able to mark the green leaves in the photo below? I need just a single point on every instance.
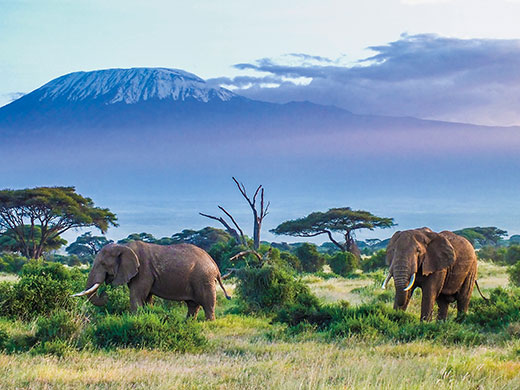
(53, 209)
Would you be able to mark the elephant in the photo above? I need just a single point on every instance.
(443, 265)
(180, 272)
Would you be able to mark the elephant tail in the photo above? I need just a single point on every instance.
(219, 279)
(480, 292)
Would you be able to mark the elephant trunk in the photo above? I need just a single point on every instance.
(401, 281)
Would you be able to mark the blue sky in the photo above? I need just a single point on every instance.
(453, 60)
(42, 40)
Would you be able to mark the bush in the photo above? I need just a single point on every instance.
(496, 313)
(343, 263)
(513, 254)
(291, 260)
(375, 262)
(60, 325)
(43, 287)
(376, 321)
(310, 259)
(514, 274)
(492, 253)
(57, 348)
(11, 263)
(270, 288)
(147, 329)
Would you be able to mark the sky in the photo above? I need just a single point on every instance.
(451, 60)
(455, 60)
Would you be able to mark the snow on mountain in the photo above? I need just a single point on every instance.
(131, 86)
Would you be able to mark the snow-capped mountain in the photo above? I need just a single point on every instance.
(131, 86)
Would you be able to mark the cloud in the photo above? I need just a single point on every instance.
(426, 76)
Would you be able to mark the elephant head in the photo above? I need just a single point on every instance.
(413, 252)
(114, 264)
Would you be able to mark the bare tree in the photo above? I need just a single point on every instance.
(260, 211)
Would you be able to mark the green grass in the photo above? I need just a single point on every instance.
(253, 352)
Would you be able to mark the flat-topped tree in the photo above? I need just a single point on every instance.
(342, 220)
(53, 210)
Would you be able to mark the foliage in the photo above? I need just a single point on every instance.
(87, 246)
(54, 209)
(495, 314)
(270, 288)
(9, 240)
(42, 288)
(374, 262)
(60, 324)
(514, 274)
(221, 252)
(311, 260)
(513, 254)
(291, 260)
(148, 329)
(11, 263)
(145, 237)
(343, 263)
(343, 220)
(492, 253)
(505, 256)
(482, 236)
(204, 238)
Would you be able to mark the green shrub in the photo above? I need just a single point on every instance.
(147, 329)
(61, 324)
(496, 313)
(514, 274)
(492, 253)
(11, 262)
(375, 262)
(513, 254)
(42, 288)
(269, 288)
(310, 259)
(376, 321)
(291, 260)
(4, 337)
(58, 347)
(343, 263)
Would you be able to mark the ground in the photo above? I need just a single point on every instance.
(252, 353)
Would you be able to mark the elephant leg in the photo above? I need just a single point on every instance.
(193, 309)
(137, 299)
(431, 290)
(443, 308)
(464, 295)
(209, 303)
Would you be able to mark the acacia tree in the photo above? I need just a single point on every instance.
(482, 236)
(259, 211)
(53, 209)
(337, 220)
(10, 243)
(87, 245)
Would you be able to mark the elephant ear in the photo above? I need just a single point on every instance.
(128, 266)
(390, 248)
(439, 255)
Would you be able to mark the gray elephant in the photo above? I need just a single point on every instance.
(181, 272)
(443, 265)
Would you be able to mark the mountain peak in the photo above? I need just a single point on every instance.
(131, 86)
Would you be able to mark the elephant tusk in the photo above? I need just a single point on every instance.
(386, 281)
(89, 291)
(412, 281)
